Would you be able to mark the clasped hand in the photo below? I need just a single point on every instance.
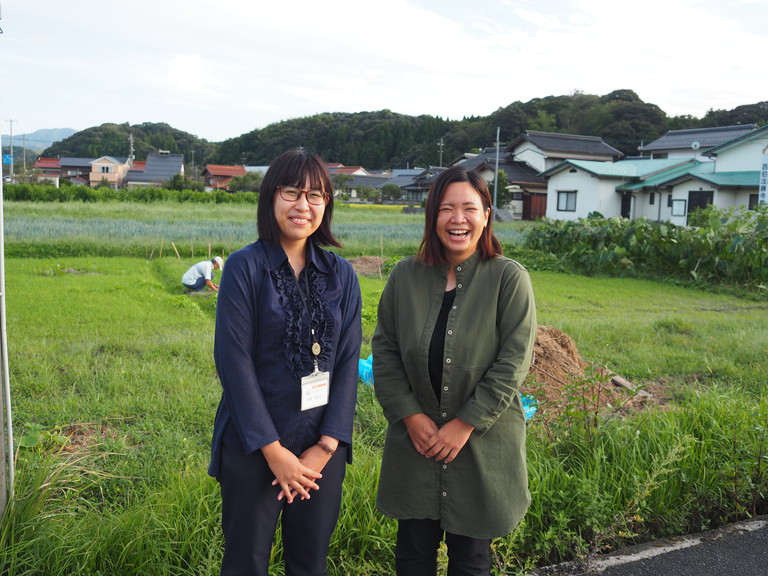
(295, 476)
(442, 444)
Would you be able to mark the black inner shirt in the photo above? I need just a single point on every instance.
(437, 345)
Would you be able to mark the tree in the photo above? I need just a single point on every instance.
(543, 122)
(179, 182)
(503, 195)
(250, 182)
(391, 192)
(369, 194)
(341, 183)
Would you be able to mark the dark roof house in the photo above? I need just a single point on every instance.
(160, 167)
(543, 150)
(694, 142)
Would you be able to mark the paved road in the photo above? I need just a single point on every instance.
(739, 549)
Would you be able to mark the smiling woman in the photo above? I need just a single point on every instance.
(287, 346)
(453, 343)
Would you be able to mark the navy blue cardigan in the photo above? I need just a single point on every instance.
(262, 349)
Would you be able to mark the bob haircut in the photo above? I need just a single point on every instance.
(295, 168)
(431, 250)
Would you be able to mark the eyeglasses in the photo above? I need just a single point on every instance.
(292, 194)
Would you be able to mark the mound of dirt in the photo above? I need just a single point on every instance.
(559, 377)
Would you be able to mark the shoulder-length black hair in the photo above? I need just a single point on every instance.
(431, 250)
(295, 168)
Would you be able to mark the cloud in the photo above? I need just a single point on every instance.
(220, 68)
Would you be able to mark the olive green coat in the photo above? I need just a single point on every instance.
(489, 341)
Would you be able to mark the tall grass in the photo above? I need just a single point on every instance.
(111, 354)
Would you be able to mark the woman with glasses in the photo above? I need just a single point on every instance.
(454, 339)
(287, 346)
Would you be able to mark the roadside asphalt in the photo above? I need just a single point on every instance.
(739, 549)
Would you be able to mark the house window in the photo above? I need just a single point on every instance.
(517, 195)
(104, 169)
(753, 201)
(566, 201)
(669, 200)
(652, 198)
(678, 208)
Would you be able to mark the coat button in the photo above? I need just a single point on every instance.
(458, 286)
(450, 332)
(458, 268)
(445, 493)
(447, 360)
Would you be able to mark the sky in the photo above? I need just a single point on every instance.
(221, 68)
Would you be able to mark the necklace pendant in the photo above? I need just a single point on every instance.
(316, 349)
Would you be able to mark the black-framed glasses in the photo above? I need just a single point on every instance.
(292, 194)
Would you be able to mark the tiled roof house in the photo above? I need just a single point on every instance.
(219, 176)
(543, 150)
(693, 143)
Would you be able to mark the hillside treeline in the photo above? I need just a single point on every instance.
(385, 139)
(115, 140)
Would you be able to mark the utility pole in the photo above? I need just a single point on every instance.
(10, 170)
(440, 147)
(6, 426)
(496, 176)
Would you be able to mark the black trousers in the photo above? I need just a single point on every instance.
(250, 512)
(417, 544)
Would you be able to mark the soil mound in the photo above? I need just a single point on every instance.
(559, 377)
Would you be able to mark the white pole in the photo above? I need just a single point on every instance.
(496, 175)
(6, 390)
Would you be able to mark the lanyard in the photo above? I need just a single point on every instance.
(306, 301)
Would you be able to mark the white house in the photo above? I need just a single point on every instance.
(576, 188)
(730, 179)
(660, 189)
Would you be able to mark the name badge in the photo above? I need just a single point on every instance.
(314, 390)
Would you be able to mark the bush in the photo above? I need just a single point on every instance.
(143, 194)
(725, 247)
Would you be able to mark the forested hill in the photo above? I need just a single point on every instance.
(385, 139)
(115, 140)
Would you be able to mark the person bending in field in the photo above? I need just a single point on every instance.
(201, 275)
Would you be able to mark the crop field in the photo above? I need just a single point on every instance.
(114, 393)
(147, 229)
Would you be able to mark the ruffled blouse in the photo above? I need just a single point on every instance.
(263, 343)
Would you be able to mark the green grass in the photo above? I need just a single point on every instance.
(111, 352)
(650, 331)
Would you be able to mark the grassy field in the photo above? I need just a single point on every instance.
(111, 354)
